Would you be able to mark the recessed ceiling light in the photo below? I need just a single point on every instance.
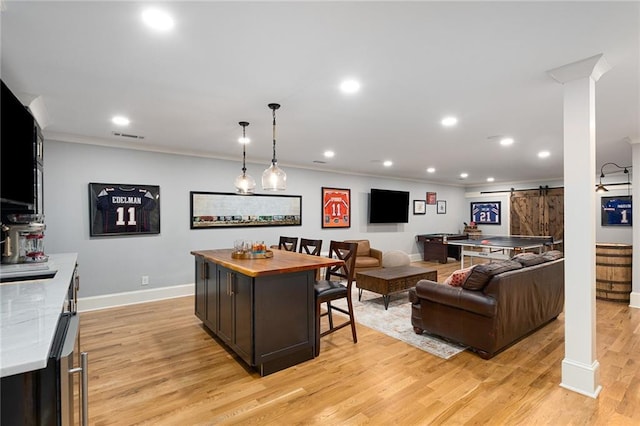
(329, 154)
(157, 19)
(449, 121)
(544, 154)
(350, 86)
(464, 175)
(387, 163)
(506, 141)
(431, 170)
(120, 120)
(490, 179)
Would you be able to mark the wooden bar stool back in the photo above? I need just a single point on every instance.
(336, 285)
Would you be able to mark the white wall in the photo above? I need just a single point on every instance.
(111, 265)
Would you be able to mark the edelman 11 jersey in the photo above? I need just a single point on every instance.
(125, 209)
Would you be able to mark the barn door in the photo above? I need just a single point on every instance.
(538, 212)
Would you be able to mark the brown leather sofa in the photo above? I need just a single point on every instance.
(511, 305)
(366, 257)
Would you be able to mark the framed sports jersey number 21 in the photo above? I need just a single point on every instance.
(487, 213)
(336, 208)
(123, 209)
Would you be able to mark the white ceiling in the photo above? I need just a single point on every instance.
(185, 91)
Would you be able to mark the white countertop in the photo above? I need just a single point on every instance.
(29, 312)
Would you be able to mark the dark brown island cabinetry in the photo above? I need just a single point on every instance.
(436, 247)
(263, 309)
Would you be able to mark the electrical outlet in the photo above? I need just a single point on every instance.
(145, 280)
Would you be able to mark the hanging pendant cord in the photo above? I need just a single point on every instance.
(274, 161)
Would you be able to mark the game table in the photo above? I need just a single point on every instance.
(500, 247)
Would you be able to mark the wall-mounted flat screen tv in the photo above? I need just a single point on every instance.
(388, 206)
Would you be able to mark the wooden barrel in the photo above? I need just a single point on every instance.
(613, 271)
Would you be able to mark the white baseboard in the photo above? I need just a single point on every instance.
(93, 303)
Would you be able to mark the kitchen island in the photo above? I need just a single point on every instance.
(263, 309)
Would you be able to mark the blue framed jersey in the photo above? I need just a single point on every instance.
(616, 211)
(486, 213)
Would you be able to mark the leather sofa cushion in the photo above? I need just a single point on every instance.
(367, 262)
(553, 255)
(529, 259)
(482, 274)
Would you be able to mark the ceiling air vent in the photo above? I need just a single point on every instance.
(319, 162)
(127, 135)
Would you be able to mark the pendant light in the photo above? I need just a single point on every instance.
(244, 183)
(274, 178)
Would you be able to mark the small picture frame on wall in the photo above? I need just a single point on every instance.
(431, 197)
(441, 207)
(419, 207)
(336, 207)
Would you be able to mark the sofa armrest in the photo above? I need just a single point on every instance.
(377, 254)
(457, 297)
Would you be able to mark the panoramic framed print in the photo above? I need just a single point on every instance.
(486, 213)
(616, 211)
(336, 208)
(228, 210)
(419, 207)
(123, 209)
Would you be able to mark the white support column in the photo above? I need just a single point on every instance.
(580, 369)
(635, 212)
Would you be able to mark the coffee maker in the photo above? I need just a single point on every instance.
(23, 239)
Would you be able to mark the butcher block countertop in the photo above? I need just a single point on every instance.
(282, 262)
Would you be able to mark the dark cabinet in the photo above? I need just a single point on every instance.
(21, 154)
(235, 326)
(436, 247)
(201, 288)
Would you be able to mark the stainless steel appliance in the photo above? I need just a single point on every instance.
(23, 239)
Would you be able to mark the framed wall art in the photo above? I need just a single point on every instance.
(441, 207)
(486, 213)
(227, 210)
(123, 209)
(419, 207)
(431, 198)
(336, 208)
(616, 211)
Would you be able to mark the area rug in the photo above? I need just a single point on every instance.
(396, 322)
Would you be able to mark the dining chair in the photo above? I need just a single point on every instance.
(288, 243)
(336, 285)
(309, 246)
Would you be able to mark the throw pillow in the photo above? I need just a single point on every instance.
(553, 255)
(529, 259)
(457, 278)
(482, 274)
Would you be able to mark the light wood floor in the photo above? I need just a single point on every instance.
(155, 364)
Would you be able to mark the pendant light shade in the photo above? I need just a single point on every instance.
(244, 183)
(274, 178)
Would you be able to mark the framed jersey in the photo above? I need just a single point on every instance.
(616, 211)
(336, 208)
(123, 209)
(486, 213)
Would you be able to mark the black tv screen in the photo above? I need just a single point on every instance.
(387, 206)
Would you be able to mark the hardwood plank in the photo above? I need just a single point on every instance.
(155, 364)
